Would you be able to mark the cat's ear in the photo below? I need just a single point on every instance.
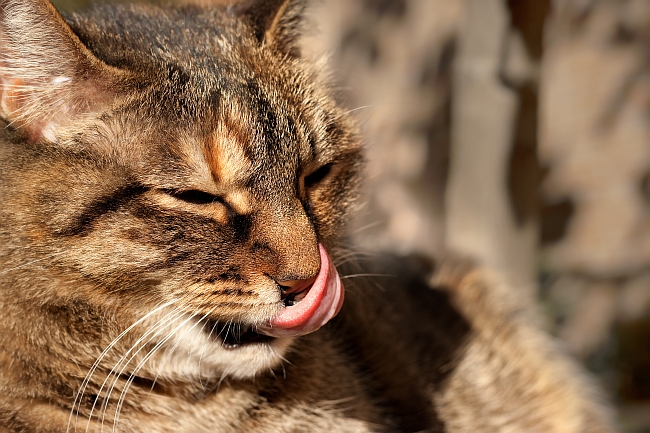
(275, 22)
(47, 76)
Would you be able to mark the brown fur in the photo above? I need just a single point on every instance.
(165, 173)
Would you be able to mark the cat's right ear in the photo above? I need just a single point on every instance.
(275, 23)
(48, 77)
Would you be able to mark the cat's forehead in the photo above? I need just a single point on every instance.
(247, 114)
(247, 138)
(227, 154)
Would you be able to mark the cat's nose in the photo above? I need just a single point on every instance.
(295, 286)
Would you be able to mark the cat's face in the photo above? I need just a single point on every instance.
(200, 173)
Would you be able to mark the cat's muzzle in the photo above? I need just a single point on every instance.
(305, 310)
(311, 307)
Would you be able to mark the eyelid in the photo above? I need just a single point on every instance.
(319, 174)
(195, 196)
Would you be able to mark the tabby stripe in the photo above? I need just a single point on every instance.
(82, 224)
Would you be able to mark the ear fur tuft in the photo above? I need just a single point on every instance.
(47, 76)
(275, 23)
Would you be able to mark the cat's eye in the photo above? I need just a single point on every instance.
(317, 176)
(195, 196)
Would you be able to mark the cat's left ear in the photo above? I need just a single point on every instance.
(276, 23)
(48, 78)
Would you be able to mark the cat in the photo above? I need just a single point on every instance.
(175, 183)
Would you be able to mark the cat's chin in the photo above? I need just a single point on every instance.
(199, 352)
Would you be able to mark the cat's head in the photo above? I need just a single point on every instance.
(184, 157)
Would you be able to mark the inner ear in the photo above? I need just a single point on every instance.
(47, 76)
(275, 23)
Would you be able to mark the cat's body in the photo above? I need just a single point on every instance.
(173, 183)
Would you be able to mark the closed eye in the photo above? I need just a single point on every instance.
(318, 176)
(195, 196)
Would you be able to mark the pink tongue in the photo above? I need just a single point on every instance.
(321, 303)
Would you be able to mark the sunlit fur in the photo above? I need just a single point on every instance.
(156, 191)
(107, 130)
(194, 355)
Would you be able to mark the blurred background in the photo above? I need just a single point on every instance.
(516, 132)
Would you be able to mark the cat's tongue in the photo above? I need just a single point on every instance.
(321, 303)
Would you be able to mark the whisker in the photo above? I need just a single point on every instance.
(343, 256)
(353, 254)
(84, 384)
(368, 275)
(176, 345)
(368, 226)
(32, 262)
(178, 313)
(165, 321)
(225, 328)
(345, 113)
(152, 352)
(221, 379)
(203, 349)
(353, 258)
(112, 374)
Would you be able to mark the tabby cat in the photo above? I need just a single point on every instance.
(174, 183)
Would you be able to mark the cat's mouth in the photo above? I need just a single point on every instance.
(306, 309)
(296, 294)
(311, 307)
(234, 335)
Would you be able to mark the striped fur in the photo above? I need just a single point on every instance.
(163, 171)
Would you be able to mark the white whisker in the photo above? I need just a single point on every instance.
(166, 359)
(368, 226)
(111, 374)
(84, 384)
(32, 262)
(345, 113)
(152, 352)
(368, 275)
(165, 321)
(205, 346)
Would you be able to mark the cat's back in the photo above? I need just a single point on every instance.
(450, 349)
